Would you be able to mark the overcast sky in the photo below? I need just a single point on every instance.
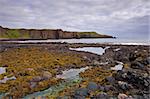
(115, 17)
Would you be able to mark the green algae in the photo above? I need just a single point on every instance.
(53, 91)
(95, 74)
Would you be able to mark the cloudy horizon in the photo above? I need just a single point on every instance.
(121, 18)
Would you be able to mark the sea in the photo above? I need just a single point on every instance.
(123, 41)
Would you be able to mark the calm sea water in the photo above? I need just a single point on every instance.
(126, 41)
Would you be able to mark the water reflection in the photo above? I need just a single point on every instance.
(72, 73)
(2, 70)
(95, 50)
(125, 41)
(118, 67)
(6, 79)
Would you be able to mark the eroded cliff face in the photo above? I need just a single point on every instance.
(46, 34)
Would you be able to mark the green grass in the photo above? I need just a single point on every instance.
(26, 35)
(13, 34)
(88, 33)
(92, 34)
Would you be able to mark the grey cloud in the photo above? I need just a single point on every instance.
(106, 16)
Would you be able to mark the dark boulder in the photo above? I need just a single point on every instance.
(92, 86)
(33, 84)
(110, 79)
(120, 56)
(78, 97)
(108, 87)
(123, 85)
(134, 78)
(132, 56)
(101, 88)
(46, 75)
(147, 82)
(148, 60)
(139, 97)
(123, 96)
(62, 97)
(137, 65)
(81, 92)
(102, 96)
(36, 79)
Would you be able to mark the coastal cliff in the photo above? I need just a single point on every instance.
(6, 33)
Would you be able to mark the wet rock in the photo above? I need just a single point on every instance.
(92, 86)
(133, 80)
(117, 49)
(146, 96)
(85, 57)
(33, 84)
(107, 88)
(122, 96)
(148, 60)
(78, 97)
(62, 97)
(123, 85)
(30, 69)
(101, 88)
(41, 97)
(47, 75)
(36, 79)
(110, 79)
(124, 75)
(117, 67)
(7, 79)
(119, 75)
(102, 96)
(120, 56)
(146, 82)
(137, 65)
(95, 63)
(81, 92)
(132, 56)
(138, 97)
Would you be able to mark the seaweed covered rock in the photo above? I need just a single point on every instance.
(132, 82)
(34, 68)
(96, 74)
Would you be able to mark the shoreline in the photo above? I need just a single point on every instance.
(100, 73)
(103, 41)
(7, 39)
(59, 42)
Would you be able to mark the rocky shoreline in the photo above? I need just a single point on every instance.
(42, 62)
(132, 82)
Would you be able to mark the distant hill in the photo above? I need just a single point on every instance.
(6, 33)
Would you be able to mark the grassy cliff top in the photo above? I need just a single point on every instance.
(46, 34)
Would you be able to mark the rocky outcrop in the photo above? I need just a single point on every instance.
(46, 34)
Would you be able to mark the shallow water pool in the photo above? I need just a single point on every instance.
(2, 70)
(95, 50)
